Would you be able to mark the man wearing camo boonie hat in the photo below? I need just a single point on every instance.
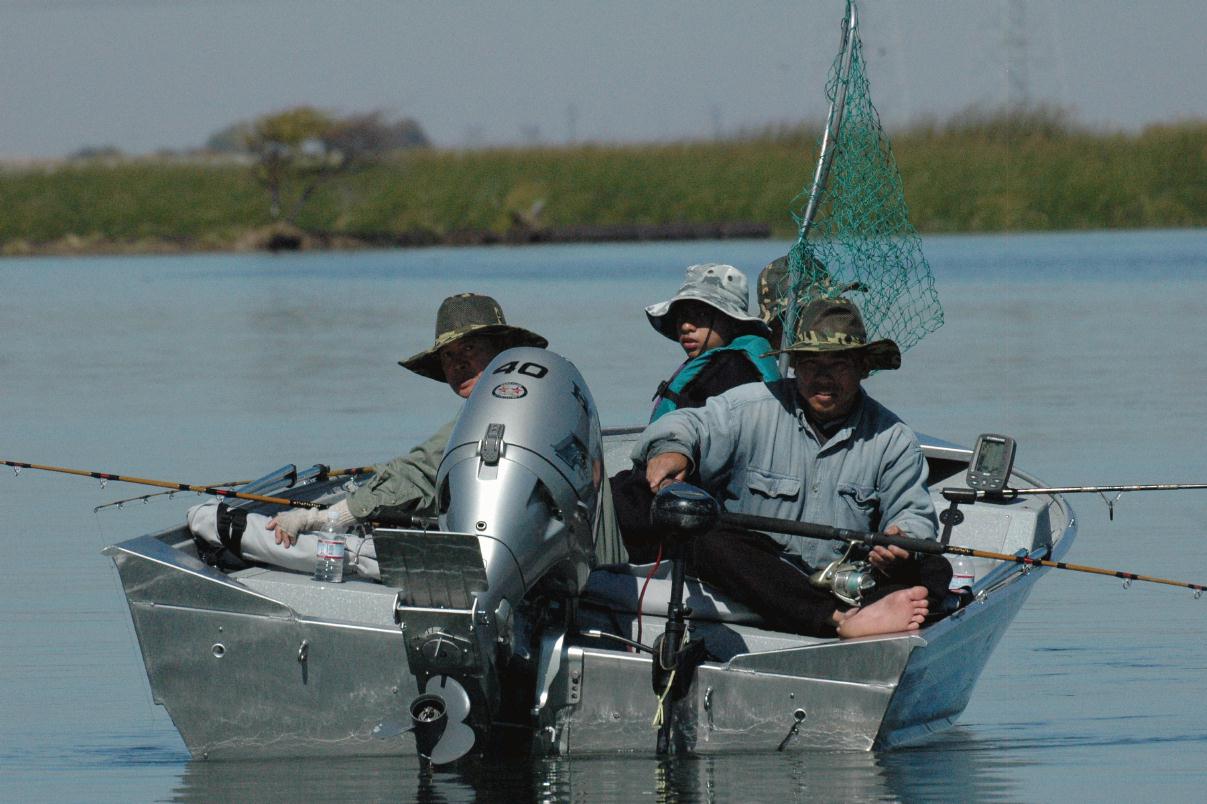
(810, 448)
(834, 326)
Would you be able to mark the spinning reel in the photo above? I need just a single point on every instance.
(847, 579)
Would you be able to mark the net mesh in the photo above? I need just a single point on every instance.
(860, 242)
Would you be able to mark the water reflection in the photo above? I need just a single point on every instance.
(954, 767)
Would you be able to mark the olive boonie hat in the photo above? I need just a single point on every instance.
(721, 287)
(835, 325)
(462, 315)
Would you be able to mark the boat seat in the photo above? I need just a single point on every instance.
(618, 586)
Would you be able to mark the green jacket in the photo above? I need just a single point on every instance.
(407, 483)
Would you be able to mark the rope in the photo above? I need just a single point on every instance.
(670, 682)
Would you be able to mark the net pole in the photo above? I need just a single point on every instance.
(833, 123)
(821, 173)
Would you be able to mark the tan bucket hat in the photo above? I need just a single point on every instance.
(835, 325)
(462, 315)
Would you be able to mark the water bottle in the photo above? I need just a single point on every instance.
(962, 573)
(329, 555)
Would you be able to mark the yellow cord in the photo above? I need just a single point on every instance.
(670, 681)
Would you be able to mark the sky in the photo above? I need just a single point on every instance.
(143, 75)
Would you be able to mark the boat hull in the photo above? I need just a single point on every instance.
(263, 663)
(245, 676)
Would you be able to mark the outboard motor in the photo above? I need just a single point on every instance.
(523, 468)
(519, 507)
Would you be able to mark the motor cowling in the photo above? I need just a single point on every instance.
(522, 471)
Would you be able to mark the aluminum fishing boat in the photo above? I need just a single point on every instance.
(492, 629)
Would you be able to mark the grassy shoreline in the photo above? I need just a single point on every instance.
(965, 177)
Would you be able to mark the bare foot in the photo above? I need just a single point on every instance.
(903, 610)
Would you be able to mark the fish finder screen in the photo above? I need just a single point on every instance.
(991, 458)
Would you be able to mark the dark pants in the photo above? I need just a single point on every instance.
(753, 569)
(631, 499)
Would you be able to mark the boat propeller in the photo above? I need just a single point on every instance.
(437, 721)
(438, 718)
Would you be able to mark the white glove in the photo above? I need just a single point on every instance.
(288, 524)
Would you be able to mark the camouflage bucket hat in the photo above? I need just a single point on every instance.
(721, 287)
(775, 281)
(773, 289)
(462, 315)
(835, 325)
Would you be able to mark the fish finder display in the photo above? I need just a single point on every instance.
(991, 462)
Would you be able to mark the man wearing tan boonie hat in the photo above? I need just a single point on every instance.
(470, 331)
(810, 448)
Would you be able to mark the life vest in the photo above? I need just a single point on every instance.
(753, 346)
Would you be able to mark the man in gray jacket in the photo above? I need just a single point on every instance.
(813, 448)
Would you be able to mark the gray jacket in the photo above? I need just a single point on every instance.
(753, 448)
(408, 482)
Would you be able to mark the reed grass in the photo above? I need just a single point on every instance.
(973, 174)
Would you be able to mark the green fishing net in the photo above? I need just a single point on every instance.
(860, 242)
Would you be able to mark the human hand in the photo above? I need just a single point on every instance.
(666, 468)
(884, 558)
(286, 525)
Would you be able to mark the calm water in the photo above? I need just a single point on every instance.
(1088, 348)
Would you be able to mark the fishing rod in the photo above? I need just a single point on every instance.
(1006, 494)
(104, 477)
(1012, 493)
(812, 531)
(144, 498)
(989, 471)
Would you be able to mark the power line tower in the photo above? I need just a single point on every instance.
(1017, 42)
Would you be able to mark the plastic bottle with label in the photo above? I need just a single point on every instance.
(329, 553)
(963, 573)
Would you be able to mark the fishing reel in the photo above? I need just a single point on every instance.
(847, 579)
